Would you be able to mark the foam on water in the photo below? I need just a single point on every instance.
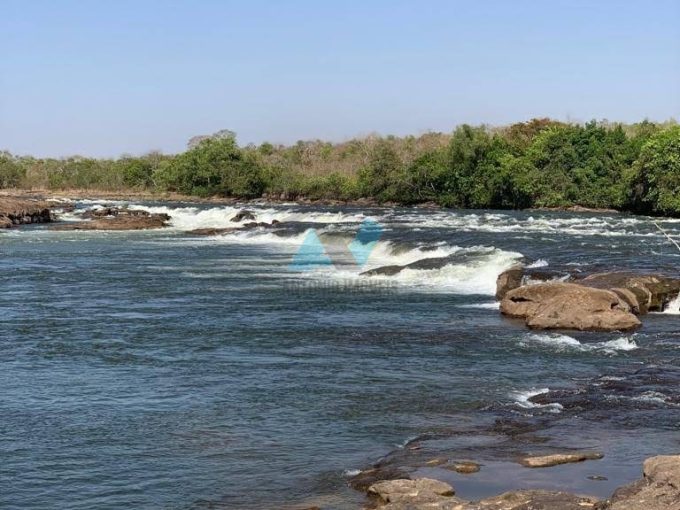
(191, 218)
(673, 308)
(566, 343)
(521, 399)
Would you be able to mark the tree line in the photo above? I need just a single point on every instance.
(539, 163)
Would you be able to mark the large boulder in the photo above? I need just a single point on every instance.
(569, 306)
(651, 292)
(508, 280)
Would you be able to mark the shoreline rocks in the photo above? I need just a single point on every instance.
(23, 212)
(659, 489)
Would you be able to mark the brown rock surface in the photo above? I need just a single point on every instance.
(561, 458)
(569, 306)
(653, 292)
(14, 211)
(123, 219)
(659, 490)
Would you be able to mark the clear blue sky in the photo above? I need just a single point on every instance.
(104, 78)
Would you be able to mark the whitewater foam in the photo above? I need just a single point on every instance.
(566, 343)
(673, 308)
(191, 218)
(521, 399)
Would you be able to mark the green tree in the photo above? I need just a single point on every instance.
(654, 179)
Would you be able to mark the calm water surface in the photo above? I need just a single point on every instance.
(161, 369)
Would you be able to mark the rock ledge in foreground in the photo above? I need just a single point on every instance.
(560, 458)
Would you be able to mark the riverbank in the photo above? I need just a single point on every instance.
(427, 380)
(659, 489)
(130, 195)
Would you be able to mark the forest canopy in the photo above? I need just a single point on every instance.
(539, 163)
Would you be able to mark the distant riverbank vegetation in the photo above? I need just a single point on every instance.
(539, 163)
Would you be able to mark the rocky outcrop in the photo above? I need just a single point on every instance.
(658, 490)
(569, 306)
(15, 211)
(645, 292)
(425, 493)
(228, 230)
(560, 458)
(598, 302)
(419, 493)
(119, 219)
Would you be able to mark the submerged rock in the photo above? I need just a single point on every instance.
(560, 458)
(243, 215)
(569, 306)
(465, 468)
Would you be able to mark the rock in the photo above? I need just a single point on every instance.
(15, 211)
(368, 477)
(597, 478)
(659, 490)
(509, 280)
(124, 219)
(652, 292)
(437, 461)
(211, 231)
(561, 458)
(569, 306)
(243, 215)
(419, 493)
(464, 468)
(663, 469)
(102, 212)
(534, 500)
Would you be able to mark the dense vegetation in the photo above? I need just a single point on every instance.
(540, 163)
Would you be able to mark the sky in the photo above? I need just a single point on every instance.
(103, 79)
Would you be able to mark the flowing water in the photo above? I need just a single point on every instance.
(161, 369)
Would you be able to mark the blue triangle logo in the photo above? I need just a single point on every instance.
(367, 237)
(311, 255)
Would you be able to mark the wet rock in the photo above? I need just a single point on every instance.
(368, 477)
(597, 478)
(652, 292)
(569, 306)
(211, 231)
(557, 459)
(464, 468)
(509, 280)
(437, 461)
(102, 212)
(243, 215)
(15, 211)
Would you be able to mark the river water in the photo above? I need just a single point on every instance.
(161, 369)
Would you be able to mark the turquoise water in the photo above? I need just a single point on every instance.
(160, 369)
